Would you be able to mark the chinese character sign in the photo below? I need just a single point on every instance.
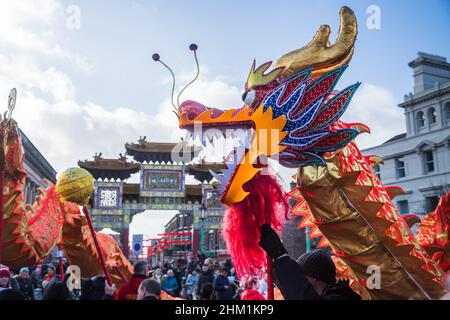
(162, 180)
(108, 198)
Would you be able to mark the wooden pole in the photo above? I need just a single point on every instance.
(122, 276)
(97, 246)
(61, 267)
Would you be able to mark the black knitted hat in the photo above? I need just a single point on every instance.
(319, 265)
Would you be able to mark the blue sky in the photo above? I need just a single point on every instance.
(94, 88)
(120, 36)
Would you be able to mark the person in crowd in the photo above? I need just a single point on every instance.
(250, 290)
(207, 291)
(5, 278)
(11, 295)
(110, 291)
(208, 262)
(6, 290)
(233, 279)
(14, 282)
(311, 277)
(229, 265)
(158, 276)
(149, 290)
(93, 288)
(262, 286)
(222, 287)
(178, 275)
(201, 257)
(192, 265)
(170, 284)
(447, 286)
(25, 284)
(57, 290)
(205, 277)
(238, 294)
(192, 282)
(36, 280)
(49, 278)
(129, 290)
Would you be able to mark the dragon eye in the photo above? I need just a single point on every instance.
(249, 97)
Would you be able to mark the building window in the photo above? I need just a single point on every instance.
(429, 161)
(420, 119)
(376, 170)
(432, 116)
(431, 203)
(399, 168)
(403, 206)
(447, 111)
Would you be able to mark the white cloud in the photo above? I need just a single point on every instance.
(27, 24)
(64, 129)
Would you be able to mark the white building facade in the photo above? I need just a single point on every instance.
(419, 160)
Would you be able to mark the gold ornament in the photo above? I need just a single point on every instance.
(319, 54)
(258, 77)
(75, 185)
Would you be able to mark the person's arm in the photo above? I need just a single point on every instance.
(291, 280)
(288, 274)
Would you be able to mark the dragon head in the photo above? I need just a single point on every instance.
(288, 112)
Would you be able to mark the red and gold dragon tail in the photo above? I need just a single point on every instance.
(353, 211)
(30, 233)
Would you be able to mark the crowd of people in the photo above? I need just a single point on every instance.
(200, 279)
(311, 277)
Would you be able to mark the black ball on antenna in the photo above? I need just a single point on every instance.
(155, 57)
(193, 47)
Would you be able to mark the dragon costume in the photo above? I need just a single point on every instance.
(291, 115)
(30, 233)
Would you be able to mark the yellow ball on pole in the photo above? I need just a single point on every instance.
(75, 185)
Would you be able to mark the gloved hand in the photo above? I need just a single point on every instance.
(271, 242)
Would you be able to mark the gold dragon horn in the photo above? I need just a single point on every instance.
(319, 54)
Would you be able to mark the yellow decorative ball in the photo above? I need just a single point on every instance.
(75, 185)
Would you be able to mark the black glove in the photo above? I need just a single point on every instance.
(271, 242)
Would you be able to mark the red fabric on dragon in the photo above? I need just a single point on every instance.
(242, 223)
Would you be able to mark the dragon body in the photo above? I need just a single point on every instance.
(30, 233)
(291, 115)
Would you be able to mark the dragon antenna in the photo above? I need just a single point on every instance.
(193, 47)
(156, 57)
